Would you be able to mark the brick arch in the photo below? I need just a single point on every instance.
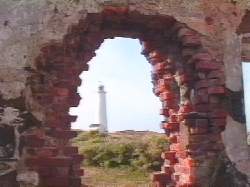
(185, 78)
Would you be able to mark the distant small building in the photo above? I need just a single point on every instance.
(94, 127)
(101, 124)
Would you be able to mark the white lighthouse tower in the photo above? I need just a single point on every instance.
(101, 124)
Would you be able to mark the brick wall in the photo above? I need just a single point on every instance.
(194, 52)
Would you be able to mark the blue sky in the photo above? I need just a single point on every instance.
(126, 76)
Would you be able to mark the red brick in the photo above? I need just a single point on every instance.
(216, 74)
(64, 134)
(168, 169)
(171, 104)
(199, 138)
(201, 84)
(147, 47)
(163, 88)
(200, 75)
(187, 52)
(165, 112)
(207, 66)
(169, 155)
(169, 67)
(155, 54)
(167, 96)
(47, 152)
(198, 130)
(83, 67)
(70, 150)
(181, 154)
(202, 108)
(193, 40)
(71, 41)
(201, 92)
(53, 171)
(175, 147)
(200, 57)
(173, 118)
(219, 122)
(162, 82)
(185, 108)
(74, 100)
(176, 177)
(218, 114)
(161, 177)
(77, 158)
(87, 56)
(61, 125)
(79, 172)
(215, 147)
(199, 146)
(216, 90)
(173, 139)
(55, 182)
(198, 99)
(195, 115)
(201, 127)
(216, 82)
(61, 91)
(182, 79)
(75, 182)
(168, 79)
(201, 122)
(157, 91)
(33, 141)
(71, 118)
(209, 20)
(154, 60)
(189, 122)
(50, 162)
(43, 98)
(189, 184)
(171, 126)
(190, 162)
(159, 68)
(216, 106)
(215, 99)
(52, 49)
(45, 171)
(184, 31)
(181, 169)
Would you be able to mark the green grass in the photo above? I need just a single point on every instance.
(120, 160)
(95, 176)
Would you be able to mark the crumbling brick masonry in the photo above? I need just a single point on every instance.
(195, 49)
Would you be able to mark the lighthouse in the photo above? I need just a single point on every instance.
(101, 124)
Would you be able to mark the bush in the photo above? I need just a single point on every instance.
(114, 152)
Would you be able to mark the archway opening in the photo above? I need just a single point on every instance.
(126, 75)
(185, 76)
(131, 150)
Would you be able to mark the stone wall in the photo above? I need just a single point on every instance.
(46, 44)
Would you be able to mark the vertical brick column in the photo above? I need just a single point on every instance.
(54, 87)
(191, 88)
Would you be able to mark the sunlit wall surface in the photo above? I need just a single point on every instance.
(246, 83)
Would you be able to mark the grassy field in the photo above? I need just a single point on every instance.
(121, 159)
(115, 177)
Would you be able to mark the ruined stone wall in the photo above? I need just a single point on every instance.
(26, 26)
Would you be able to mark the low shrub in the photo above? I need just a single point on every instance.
(114, 152)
